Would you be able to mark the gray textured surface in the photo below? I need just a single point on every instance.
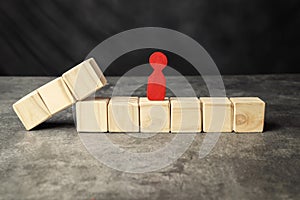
(52, 163)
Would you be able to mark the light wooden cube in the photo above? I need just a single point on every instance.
(154, 115)
(56, 95)
(249, 114)
(31, 110)
(123, 114)
(185, 114)
(84, 79)
(91, 115)
(217, 114)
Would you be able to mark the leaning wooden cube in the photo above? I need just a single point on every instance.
(123, 114)
(154, 115)
(185, 114)
(91, 115)
(249, 114)
(217, 114)
(56, 95)
(84, 79)
(31, 110)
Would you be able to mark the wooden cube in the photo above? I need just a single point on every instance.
(91, 115)
(249, 114)
(217, 114)
(123, 114)
(31, 110)
(185, 114)
(56, 95)
(84, 79)
(154, 115)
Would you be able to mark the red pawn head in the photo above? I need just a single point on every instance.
(158, 60)
(156, 88)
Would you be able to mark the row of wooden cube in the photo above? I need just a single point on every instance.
(60, 93)
(185, 114)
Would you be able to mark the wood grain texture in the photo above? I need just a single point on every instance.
(185, 114)
(31, 110)
(56, 95)
(154, 115)
(249, 114)
(91, 115)
(123, 114)
(84, 79)
(217, 114)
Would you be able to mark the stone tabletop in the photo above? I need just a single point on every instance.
(51, 162)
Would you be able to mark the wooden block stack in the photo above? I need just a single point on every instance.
(84, 79)
(31, 110)
(123, 114)
(177, 115)
(134, 114)
(154, 115)
(248, 115)
(60, 93)
(185, 114)
(91, 115)
(56, 95)
(217, 114)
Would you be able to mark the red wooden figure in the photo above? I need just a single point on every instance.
(156, 88)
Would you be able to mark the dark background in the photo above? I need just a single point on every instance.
(243, 37)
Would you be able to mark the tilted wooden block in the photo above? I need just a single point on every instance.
(154, 115)
(123, 114)
(185, 114)
(84, 79)
(91, 115)
(31, 110)
(249, 114)
(79, 82)
(56, 95)
(217, 114)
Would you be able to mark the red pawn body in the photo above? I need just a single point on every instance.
(156, 88)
